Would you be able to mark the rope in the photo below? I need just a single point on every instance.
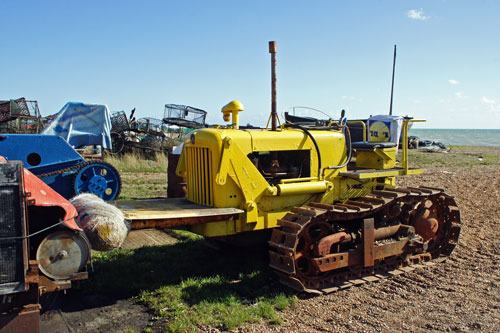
(36, 233)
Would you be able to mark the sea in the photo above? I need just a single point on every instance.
(459, 137)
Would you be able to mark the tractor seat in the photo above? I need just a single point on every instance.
(363, 145)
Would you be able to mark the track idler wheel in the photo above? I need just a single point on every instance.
(425, 221)
(436, 219)
(308, 239)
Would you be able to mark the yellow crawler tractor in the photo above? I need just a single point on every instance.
(330, 206)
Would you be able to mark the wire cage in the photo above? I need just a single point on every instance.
(151, 125)
(145, 135)
(119, 121)
(22, 125)
(184, 116)
(148, 134)
(14, 108)
(20, 116)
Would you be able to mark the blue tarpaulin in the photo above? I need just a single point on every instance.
(82, 124)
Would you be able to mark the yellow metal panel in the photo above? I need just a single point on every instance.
(280, 203)
(224, 162)
(376, 159)
(214, 229)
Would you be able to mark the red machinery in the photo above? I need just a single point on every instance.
(42, 248)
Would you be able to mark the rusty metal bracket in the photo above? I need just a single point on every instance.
(354, 258)
(47, 285)
(33, 272)
(368, 242)
(29, 202)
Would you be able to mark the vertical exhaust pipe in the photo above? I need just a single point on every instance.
(274, 113)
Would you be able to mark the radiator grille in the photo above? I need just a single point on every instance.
(11, 224)
(199, 175)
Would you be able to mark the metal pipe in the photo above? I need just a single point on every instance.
(386, 232)
(274, 113)
(363, 124)
(298, 180)
(325, 244)
(302, 188)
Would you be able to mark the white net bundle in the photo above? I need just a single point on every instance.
(104, 224)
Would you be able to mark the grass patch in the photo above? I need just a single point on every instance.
(458, 156)
(141, 178)
(133, 162)
(190, 286)
(199, 302)
(132, 191)
(143, 181)
(184, 235)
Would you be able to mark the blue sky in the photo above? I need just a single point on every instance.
(332, 55)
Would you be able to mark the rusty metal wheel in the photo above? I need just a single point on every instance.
(436, 219)
(304, 249)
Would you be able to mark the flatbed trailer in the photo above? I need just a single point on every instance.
(172, 212)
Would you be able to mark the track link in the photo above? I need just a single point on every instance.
(68, 169)
(293, 247)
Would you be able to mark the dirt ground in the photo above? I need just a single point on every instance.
(460, 294)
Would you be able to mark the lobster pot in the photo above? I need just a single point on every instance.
(104, 224)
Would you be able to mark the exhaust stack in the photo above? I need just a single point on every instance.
(274, 113)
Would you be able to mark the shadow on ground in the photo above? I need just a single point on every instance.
(105, 302)
(124, 273)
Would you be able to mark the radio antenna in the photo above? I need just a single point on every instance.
(392, 87)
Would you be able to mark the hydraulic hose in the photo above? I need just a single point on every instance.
(348, 136)
(312, 139)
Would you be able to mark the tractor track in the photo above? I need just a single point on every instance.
(285, 257)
